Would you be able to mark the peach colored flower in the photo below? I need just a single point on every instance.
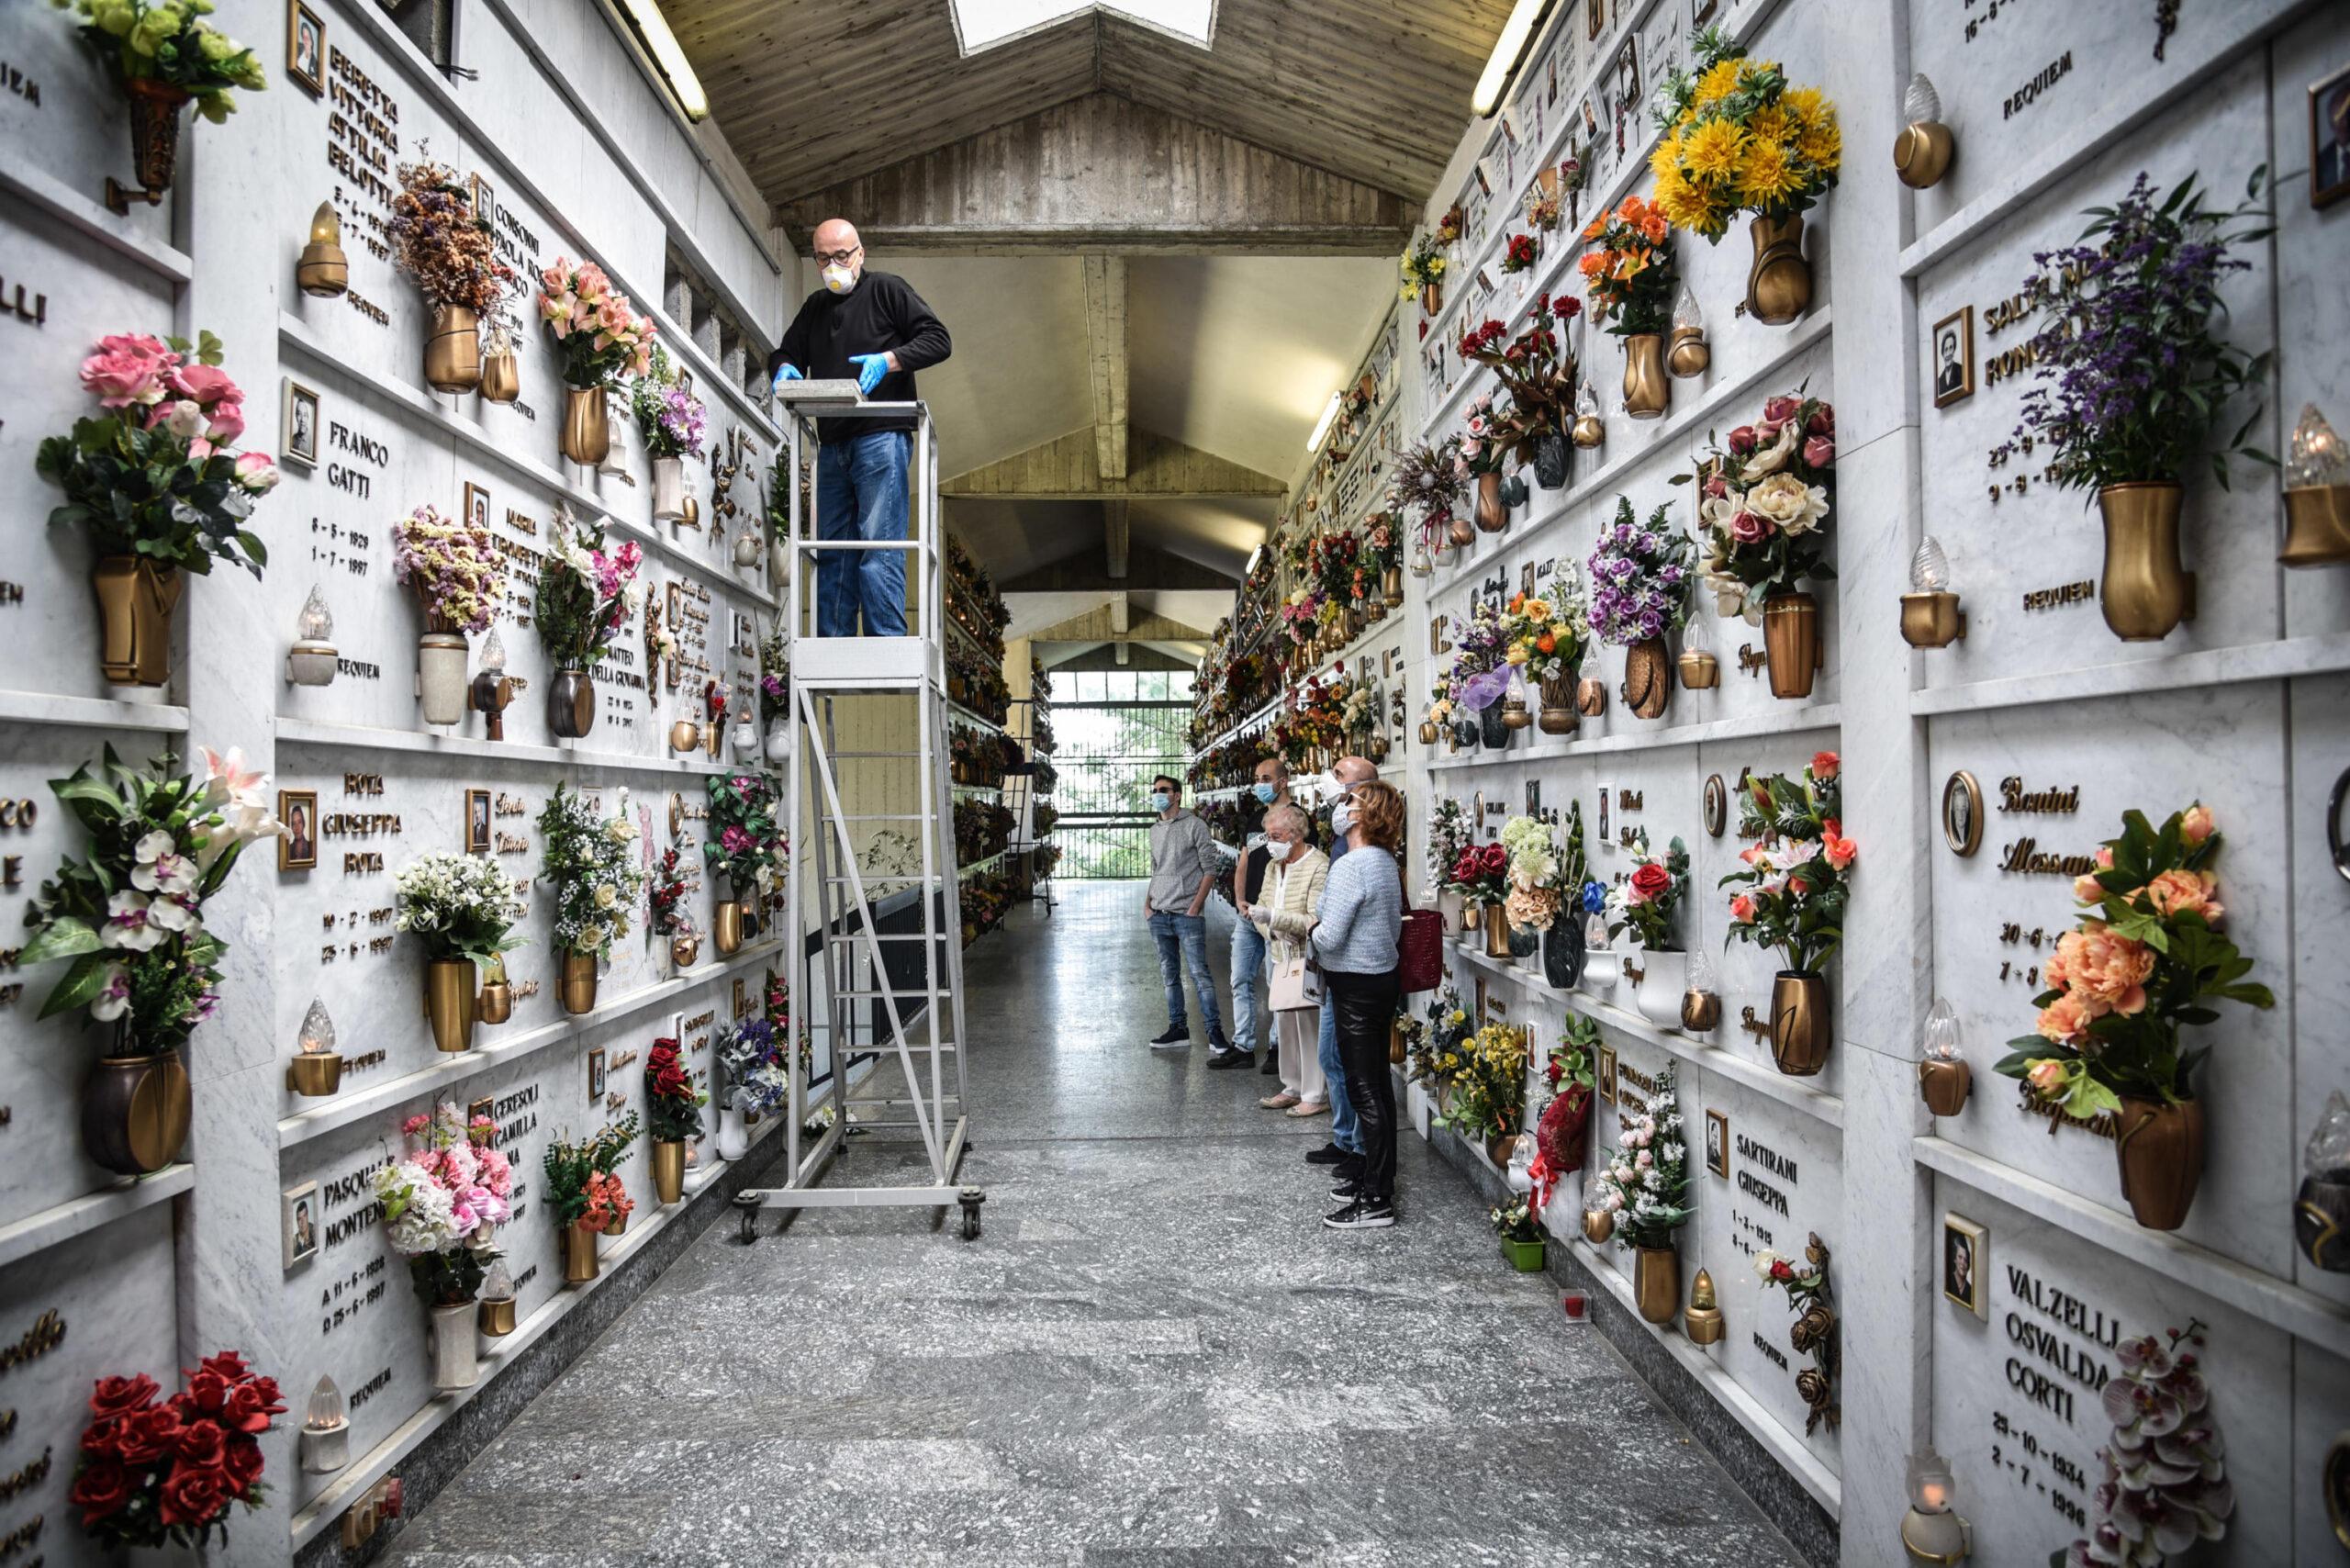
(1741, 909)
(2046, 1076)
(2087, 890)
(2195, 825)
(1840, 852)
(1826, 765)
(2185, 893)
(2110, 969)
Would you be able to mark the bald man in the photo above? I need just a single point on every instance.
(1345, 1147)
(873, 329)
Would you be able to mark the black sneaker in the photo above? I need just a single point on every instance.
(1174, 1036)
(1363, 1214)
(1272, 1067)
(1328, 1154)
(1218, 1044)
(1224, 1062)
(1348, 1190)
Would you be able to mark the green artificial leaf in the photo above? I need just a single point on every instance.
(81, 985)
(65, 936)
(2090, 1099)
(2030, 1049)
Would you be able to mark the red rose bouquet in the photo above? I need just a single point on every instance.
(1521, 253)
(673, 1105)
(1481, 874)
(1650, 900)
(164, 1472)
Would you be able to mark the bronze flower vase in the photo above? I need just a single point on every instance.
(726, 925)
(1945, 1085)
(1597, 1226)
(1497, 943)
(155, 109)
(2145, 592)
(1492, 516)
(1646, 390)
(496, 1004)
(578, 983)
(586, 437)
(1790, 643)
(136, 598)
(1391, 587)
(571, 703)
(2160, 1147)
(450, 1003)
(668, 1160)
(453, 350)
(1431, 299)
(1799, 1033)
(579, 1260)
(1778, 287)
(1559, 716)
(1473, 914)
(1656, 1283)
(2317, 526)
(1500, 1146)
(1648, 678)
(135, 1111)
(502, 376)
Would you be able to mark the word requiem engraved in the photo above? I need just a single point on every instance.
(2056, 598)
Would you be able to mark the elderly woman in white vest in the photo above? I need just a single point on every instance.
(1292, 903)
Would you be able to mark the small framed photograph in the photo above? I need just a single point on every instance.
(742, 997)
(2330, 139)
(485, 201)
(478, 1110)
(595, 1076)
(477, 821)
(1526, 579)
(306, 49)
(1966, 1264)
(677, 813)
(299, 849)
(1594, 18)
(1605, 1073)
(1963, 813)
(301, 1226)
(1716, 805)
(477, 506)
(1717, 1141)
(1954, 357)
(676, 606)
(1607, 810)
(297, 425)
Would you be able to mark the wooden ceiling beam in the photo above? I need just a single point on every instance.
(1116, 532)
(1105, 360)
(1159, 469)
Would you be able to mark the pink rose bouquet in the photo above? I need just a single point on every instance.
(440, 1201)
(600, 333)
(1762, 499)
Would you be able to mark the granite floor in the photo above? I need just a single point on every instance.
(1155, 1355)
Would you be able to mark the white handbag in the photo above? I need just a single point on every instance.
(1296, 983)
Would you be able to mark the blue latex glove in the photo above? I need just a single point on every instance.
(785, 373)
(870, 369)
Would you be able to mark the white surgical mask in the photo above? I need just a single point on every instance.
(1278, 847)
(838, 279)
(1342, 817)
(1161, 801)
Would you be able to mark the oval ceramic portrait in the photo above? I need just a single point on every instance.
(1963, 813)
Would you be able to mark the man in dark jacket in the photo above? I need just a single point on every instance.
(873, 329)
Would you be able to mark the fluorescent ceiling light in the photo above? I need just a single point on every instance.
(1517, 33)
(652, 27)
(983, 24)
(1322, 425)
(1254, 556)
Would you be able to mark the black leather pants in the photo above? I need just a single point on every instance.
(1366, 1008)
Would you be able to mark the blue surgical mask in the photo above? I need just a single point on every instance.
(1265, 792)
(1161, 801)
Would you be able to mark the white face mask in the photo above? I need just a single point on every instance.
(838, 279)
(1342, 817)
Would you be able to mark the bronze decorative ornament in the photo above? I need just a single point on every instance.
(1703, 1321)
(1931, 619)
(1716, 805)
(1700, 1011)
(1700, 671)
(317, 1068)
(323, 271)
(1597, 1226)
(1922, 149)
(2146, 590)
(1963, 813)
(2317, 495)
(496, 1004)
(155, 109)
(1945, 1085)
(497, 1319)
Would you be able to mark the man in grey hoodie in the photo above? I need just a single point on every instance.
(1183, 867)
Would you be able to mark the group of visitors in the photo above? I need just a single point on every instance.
(1328, 929)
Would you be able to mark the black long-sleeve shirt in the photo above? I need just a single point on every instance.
(881, 314)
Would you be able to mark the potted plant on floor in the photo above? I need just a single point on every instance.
(163, 54)
(1648, 904)
(154, 484)
(672, 419)
(586, 1198)
(672, 1116)
(1524, 1242)
(1762, 514)
(158, 1472)
(591, 861)
(601, 337)
(2146, 959)
(445, 248)
(1629, 277)
(744, 846)
(585, 597)
(440, 1199)
(1644, 1193)
(461, 909)
(1640, 596)
(1793, 887)
(2132, 377)
(131, 919)
(459, 577)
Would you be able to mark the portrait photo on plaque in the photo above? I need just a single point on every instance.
(1952, 356)
(306, 49)
(477, 506)
(1605, 1073)
(301, 1226)
(477, 1111)
(485, 201)
(1717, 1142)
(477, 821)
(595, 1076)
(298, 849)
(297, 426)
(1963, 813)
(1966, 1264)
(2330, 139)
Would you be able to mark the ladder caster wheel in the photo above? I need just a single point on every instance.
(748, 1207)
(971, 1199)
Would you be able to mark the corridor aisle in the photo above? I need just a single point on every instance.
(1155, 1355)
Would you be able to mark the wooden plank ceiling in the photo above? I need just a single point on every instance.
(813, 92)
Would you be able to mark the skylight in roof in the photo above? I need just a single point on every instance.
(983, 24)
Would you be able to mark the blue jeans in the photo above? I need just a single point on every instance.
(1248, 969)
(1183, 945)
(1344, 1129)
(861, 494)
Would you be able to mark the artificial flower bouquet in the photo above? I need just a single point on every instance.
(154, 476)
(1448, 832)
(155, 1472)
(131, 915)
(1543, 636)
(750, 1056)
(586, 596)
(1487, 434)
(2147, 957)
(1738, 139)
(1479, 673)
(1763, 503)
(453, 567)
(671, 417)
(599, 331)
(1562, 1132)
(1516, 1221)
(581, 1188)
(445, 246)
(1644, 1185)
(2165, 1482)
(745, 843)
(1536, 892)
(1428, 481)
(1434, 1052)
(666, 905)
(1383, 545)
(1629, 273)
(592, 862)
(1521, 252)
(1423, 266)
(1481, 874)
(457, 906)
(672, 1104)
(1795, 880)
(1488, 1090)
(442, 1200)
(1532, 367)
(1331, 558)
(1648, 903)
(169, 41)
(774, 677)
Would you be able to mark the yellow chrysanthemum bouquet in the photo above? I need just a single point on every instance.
(1738, 139)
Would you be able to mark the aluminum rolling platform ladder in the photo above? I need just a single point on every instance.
(893, 998)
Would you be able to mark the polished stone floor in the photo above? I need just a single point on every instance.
(1155, 1355)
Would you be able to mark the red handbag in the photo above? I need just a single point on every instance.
(1420, 955)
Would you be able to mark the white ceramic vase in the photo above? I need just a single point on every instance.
(1602, 967)
(669, 489)
(456, 1338)
(440, 677)
(1665, 980)
(778, 743)
(733, 1137)
(744, 738)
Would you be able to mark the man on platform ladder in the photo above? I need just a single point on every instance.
(873, 329)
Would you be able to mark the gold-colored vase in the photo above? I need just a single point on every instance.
(315, 1074)
(1498, 934)
(1587, 432)
(1931, 619)
(1515, 715)
(1559, 716)
(1472, 915)
(453, 352)
(684, 950)
(1428, 731)
(1397, 1051)
(1648, 678)
(2317, 526)
(1597, 1226)
(668, 1170)
(579, 983)
(1461, 532)
(579, 1260)
(497, 1317)
(1499, 1148)
(1945, 1084)
(1689, 354)
(449, 1003)
(1391, 587)
(501, 378)
(1799, 1031)
(136, 598)
(1790, 643)
(1431, 299)
(586, 436)
(726, 925)
(2160, 1148)
(1778, 287)
(135, 1113)
(1591, 697)
(1646, 388)
(1656, 1283)
(1491, 515)
(2146, 591)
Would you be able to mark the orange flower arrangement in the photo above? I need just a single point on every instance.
(1629, 274)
